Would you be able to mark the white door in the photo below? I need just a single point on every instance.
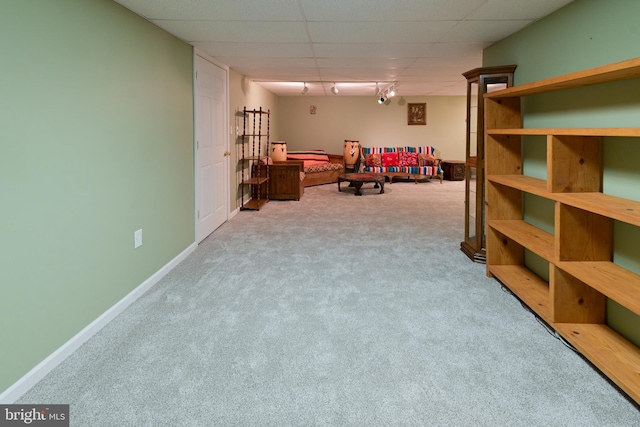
(212, 201)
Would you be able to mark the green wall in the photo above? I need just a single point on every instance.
(96, 134)
(584, 34)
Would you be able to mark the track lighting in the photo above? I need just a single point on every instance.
(305, 89)
(392, 92)
(382, 95)
(334, 89)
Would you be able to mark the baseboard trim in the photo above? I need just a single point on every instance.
(20, 387)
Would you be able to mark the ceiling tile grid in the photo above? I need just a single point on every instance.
(422, 45)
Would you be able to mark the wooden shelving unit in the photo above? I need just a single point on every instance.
(255, 146)
(582, 274)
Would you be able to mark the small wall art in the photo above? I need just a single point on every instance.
(417, 114)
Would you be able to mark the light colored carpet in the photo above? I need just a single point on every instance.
(335, 310)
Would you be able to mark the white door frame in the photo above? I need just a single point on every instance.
(225, 68)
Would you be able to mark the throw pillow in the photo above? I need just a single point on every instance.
(407, 159)
(373, 160)
(426, 159)
(389, 159)
(315, 155)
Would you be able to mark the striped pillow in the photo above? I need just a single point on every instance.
(317, 156)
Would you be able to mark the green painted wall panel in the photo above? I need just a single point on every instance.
(585, 34)
(96, 131)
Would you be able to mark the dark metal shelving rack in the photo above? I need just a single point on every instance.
(254, 178)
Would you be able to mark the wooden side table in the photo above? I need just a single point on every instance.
(453, 170)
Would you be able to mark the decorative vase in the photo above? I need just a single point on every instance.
(351, 153)
(279, 151)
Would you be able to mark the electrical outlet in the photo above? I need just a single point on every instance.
(137, 238)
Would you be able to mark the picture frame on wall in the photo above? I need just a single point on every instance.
(417, 114)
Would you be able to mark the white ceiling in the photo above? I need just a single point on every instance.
(423, 45)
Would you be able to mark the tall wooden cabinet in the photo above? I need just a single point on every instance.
(255, 147)
(582, 274)
(479, 82)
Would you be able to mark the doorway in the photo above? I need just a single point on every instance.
(211, 146)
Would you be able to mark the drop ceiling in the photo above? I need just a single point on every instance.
(423, 46)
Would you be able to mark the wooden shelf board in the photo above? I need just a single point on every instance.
(531, 289)
(608, 351)
(255, 181)
(254, 204)
(617, 283)
(628, 132)
(536, 240)
(614, 207)
(522, 182)
(623, 70)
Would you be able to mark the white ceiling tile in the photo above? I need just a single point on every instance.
(516, 9)
(368, 74)
(271, 10)
(236, 31)
(448, 50)
(484, 31)
(267, 63)
(378, 32)
(384, 10)
(257, 50)
(260, 73)
(442, 74)
(448, 63)
(365, 62)
(370, 50)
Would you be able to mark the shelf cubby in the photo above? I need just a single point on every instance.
(610, 352)
(536, 240)
(608, 278)
(528, 287)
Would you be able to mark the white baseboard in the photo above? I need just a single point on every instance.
(21, 386)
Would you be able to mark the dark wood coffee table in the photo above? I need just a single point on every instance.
(357, 179)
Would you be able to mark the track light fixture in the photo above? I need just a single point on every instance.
(382, 95)
(392, 92)
(305, 89)
(334, 89)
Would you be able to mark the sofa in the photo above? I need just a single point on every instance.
(402, 162)
(318, 166)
